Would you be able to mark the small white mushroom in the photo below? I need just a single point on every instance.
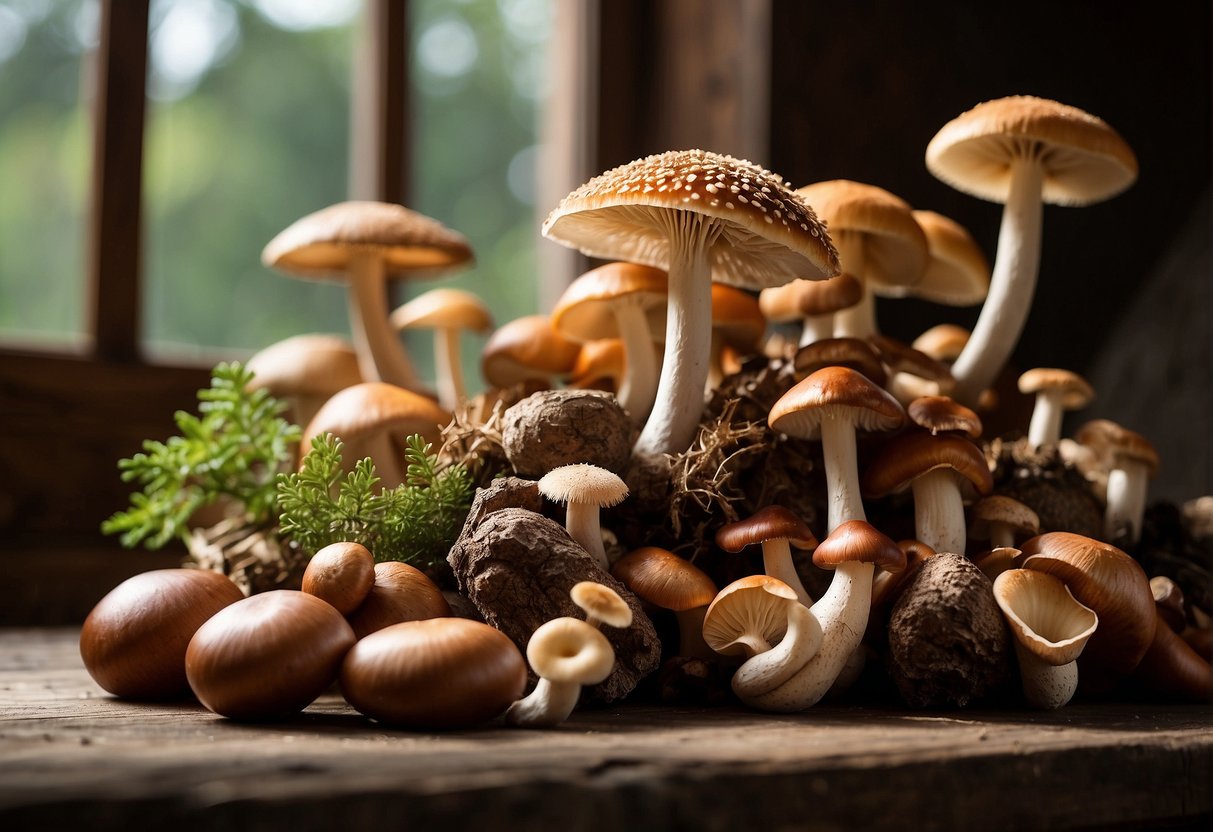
(565, 653)
(585, 488)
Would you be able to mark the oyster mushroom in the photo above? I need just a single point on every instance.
(565, 653)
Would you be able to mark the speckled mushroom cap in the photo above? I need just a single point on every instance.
(836, 389)
(769, 523)
(1076, 392)
(770, 235)
(1084, 160)
(601, 602)
(442, 309)
(894, 247)
(526, 348)
(567, 650)
(323, 243)
(664, 580)
(583, 483)
(1044, 616)
(940, 414)
(999, 508)
(957, 271)
(1110, 440)
(753, 607)
(909, 456)
(801, 298)
(583, 312)
(857, 541)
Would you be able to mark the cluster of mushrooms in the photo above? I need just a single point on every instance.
(721, 282)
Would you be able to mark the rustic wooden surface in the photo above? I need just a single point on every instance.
(73, 758)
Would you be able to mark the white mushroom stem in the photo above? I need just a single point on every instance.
(675, 416)
(1126, 499)
(858, 321)
(1045, 427)
(1012, 285)
(939, 514)
(548, 705)
(380, 355)
(638, 388)
(1045, 686)
(766, 671)
(842, 470)
(690, 633)
(843, 615)
(581, 521)
(816, 328)
(448, 367)
(777, 562)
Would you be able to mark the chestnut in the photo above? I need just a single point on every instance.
(342, 574)
(268, 656)
(400, 593)
(133, 642)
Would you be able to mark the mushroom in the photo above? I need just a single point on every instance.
(853, 550)
(941, 414)
(932, 467)
(565, 653)
(601, 604)
(585, 489)
(998, 518)
(777, 529)
(342, 574)
(830, 404)
(267, 656)
(1022, 151)
(1056, 392)
(435, 674)
(447, 312)
(857, 354)
(879, 243)
(943, 342)
(887, 584)
(375, 419)
(993, 562)
(616, 301)
(526, 349)
(812, 302)
(912, 373)
(399, 592)
(1050, 630)
(368, 243)
(304, 371)
(601, 365)
(737, 326)
(661, 578)
(1130, 460)
(957, 272)
(702, 217)
(745, 617)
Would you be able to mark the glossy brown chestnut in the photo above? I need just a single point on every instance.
(133, 642)
(267, 656)
(400, 593)
(342, 574)
(436, 673)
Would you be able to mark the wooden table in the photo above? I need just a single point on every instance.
(73, 758)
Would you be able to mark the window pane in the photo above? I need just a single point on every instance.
(44, 168)
(247, 132)
(478, 76)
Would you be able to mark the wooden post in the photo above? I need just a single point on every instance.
(379, 135)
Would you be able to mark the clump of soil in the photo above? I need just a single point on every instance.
(559, 427)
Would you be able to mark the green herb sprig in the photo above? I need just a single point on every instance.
(234, 448)
(415, 522)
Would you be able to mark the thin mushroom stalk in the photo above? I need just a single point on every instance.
(380, 355)
(858, 321)
(939, 516)
(842, 471)
(548, 705)
(1126, 499)
(777, 562)
(1045, 426)
(638, 389)
(1012, 285)
(816, 328)
(451, 389)
(582, 520)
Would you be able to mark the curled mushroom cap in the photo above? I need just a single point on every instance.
(702, 217)
(342, 574)
(527, 348)
(565, 653)
(601, 604)
(748, 615)
(777, 529)
(1056, 391)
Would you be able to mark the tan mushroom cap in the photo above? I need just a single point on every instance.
(444, 308)
(1076, 392)
(598, 362)
(999, 508)
(800, 298)
(1110, 440)
(526, 348)
(1044, 616)
(837, 390)
(957, 273)
(583, 483)
(886, 583)
(1084, 160)
(373, 407)
(854, 353)
(943, 342)
(894, 246)
(940, 414)
(664, 580)
(324, 242)
(583, 312)
(857, 541)
(751, 608)
(770, 234)
(993, 562)
(769, 523)
(569, 651)
(736, 318)
(601, 602)
(913, 454)
(305, 365)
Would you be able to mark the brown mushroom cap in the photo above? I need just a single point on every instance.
(857, 541)
(943, 342)
(1076, 392)
(400, 592)
(583, 312)
(583, 483)
(599, 364)
(957, 273)
(305, 364)
(770, 523)
(854, 353)
(887, 584)
(526, 348)
(323, 243)
(902, 358)
(993, 562)
(664, 580)
(800, 298)
(342, 574)
(618, 214)
(999, 508)
(736, 318)
(940, 414)
(1110, 440)
(1084, 159)
(444, 308)
(601, 602)
(913, 454)
(838, 390)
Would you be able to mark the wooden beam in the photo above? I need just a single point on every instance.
(114, 258)
(380, 140)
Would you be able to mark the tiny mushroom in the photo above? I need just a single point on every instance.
(941, 414)
(661, 578)
(943, 342)
(702, 217)
(814, 303)
(1130, 460)
(368, 243)
(448, 312)
(1050, 630)
(601, 604)
(565, 654)
(777, 529)
(1056, 392)
(998, 518)
(1022, 151)
(585, 489)
(994, 562)
(830, 404)
(912, 373)
(527, 349)
(305, 371)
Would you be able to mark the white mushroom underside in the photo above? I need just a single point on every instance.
(764, 672)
